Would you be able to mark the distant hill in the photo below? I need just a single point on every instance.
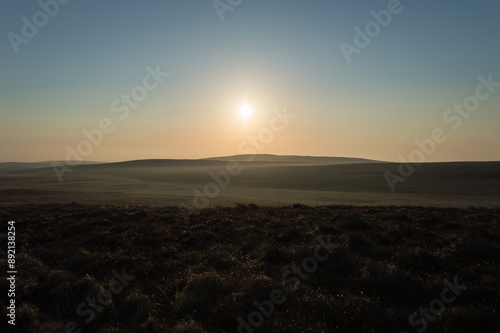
(262, 158)
(294, 159)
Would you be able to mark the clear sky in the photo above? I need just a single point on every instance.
(67, 77)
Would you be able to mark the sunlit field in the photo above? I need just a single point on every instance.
(266, 181)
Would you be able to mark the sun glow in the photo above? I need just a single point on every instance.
(245, 111)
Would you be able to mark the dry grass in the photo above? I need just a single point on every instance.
(200, 277)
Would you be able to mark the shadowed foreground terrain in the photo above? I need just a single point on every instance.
(359, 269)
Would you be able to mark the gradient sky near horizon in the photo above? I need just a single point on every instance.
(268, 54)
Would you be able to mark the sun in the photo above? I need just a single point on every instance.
(245, 111)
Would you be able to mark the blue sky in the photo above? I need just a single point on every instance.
(268, 54)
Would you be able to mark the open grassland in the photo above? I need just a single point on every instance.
(324, 269)
(276, 183)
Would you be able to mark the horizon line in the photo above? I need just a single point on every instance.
(239, 155)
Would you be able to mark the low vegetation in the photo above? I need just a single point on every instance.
(383, 264)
